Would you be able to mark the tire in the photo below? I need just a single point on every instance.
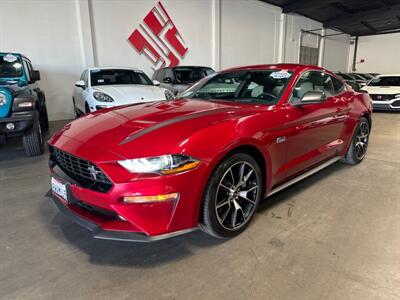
(33, 140)
(87, 109)
(76, 114)
(359, 143)
(236, 205)
(44, 119)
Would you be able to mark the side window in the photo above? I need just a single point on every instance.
(169, 73)
(312, 81)
(160, 75)
(26, 70)
(83, 75)
(85, 78)
(338, 86)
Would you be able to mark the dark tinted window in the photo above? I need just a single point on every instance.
(338, 86)
(118, 76)
(191, 74)
(10, 66)
(385, 81)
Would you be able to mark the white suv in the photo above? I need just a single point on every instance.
(100, 88)
(385, 92)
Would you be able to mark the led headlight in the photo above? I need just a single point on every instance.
(169, 95)
(99, 96)
(164, 164)
(3, 99)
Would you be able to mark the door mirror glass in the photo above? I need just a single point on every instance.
(312, 97)
(156, 82)
(81, 84)
(35, 75)
(167, 80)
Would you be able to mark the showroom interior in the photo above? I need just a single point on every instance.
(333, 235)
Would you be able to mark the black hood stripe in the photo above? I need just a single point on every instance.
(170, 122)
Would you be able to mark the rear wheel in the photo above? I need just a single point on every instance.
(76, 114)
(87, 109)
(33, 139)
(359, 143)
(231, 196)
(44, 119)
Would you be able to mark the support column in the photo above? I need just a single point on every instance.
(321, 48)
(216, 34)
(85, 33)
(282, 38)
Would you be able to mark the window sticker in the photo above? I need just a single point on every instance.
(280, 74)
(10, 58)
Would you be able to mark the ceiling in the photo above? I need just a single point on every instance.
(355, 17)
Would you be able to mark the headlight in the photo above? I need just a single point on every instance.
(99, 96)
(164, 164)
(169, 95)
(3, 99)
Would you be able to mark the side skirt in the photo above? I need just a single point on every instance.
(303, 176)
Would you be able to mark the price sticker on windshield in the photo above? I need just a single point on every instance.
(10, 58)
(280, 74)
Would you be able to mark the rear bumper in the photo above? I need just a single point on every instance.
(22, 120)
(99, 233)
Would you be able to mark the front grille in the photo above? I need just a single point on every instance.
(82, 171)
(379, 97)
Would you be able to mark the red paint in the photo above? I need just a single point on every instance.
(158, 29)
(314, 133)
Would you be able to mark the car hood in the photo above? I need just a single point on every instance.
(131, 93)
(150, 128)
(382, 90)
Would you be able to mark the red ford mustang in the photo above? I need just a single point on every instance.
(150, 171)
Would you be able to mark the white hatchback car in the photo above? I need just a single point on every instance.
(384, 91)
(100, 88)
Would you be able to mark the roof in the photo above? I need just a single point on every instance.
(355, 17)
(119, 68)
(290, 67)
(389, 75)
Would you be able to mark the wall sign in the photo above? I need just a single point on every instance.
(158, 39)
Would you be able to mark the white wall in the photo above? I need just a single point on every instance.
(65, 36)
(336, 51)
(252, 39)
(47, 32)
(380, 53)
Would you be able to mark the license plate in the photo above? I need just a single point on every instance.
(60, 189)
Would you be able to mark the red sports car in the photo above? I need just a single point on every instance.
(149, 171)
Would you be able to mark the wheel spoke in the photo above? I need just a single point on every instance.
(223, 203)
(233, 177)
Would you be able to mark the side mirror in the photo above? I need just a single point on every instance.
(156, 82)
(312, 97)
(35, 75)
(80, 84)
(167, 80)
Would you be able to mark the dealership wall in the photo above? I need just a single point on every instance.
(63, 37)
(379, 53)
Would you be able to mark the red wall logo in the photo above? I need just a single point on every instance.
(158, 39)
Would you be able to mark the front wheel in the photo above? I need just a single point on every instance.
(33, 139)
(231, 196)
(359, 143)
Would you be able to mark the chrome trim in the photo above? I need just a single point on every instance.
(303, 176)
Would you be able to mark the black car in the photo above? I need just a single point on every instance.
(23, 111)
(178, 79)
(350, 80)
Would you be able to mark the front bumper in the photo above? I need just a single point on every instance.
(99, 233)
(393, 104)
(22, 120)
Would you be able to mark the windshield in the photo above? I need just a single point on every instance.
(245, 86)
(10, 66)
(115, 76)
(385, 81)
(191, 74)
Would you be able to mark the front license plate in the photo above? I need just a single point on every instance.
(60, 189)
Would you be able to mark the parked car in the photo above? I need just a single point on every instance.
(385, 92)
(349, 80)
(100, 88)
(178, 79)
(364, 76)
(23, 111)
(359, 79)
(156, 170)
